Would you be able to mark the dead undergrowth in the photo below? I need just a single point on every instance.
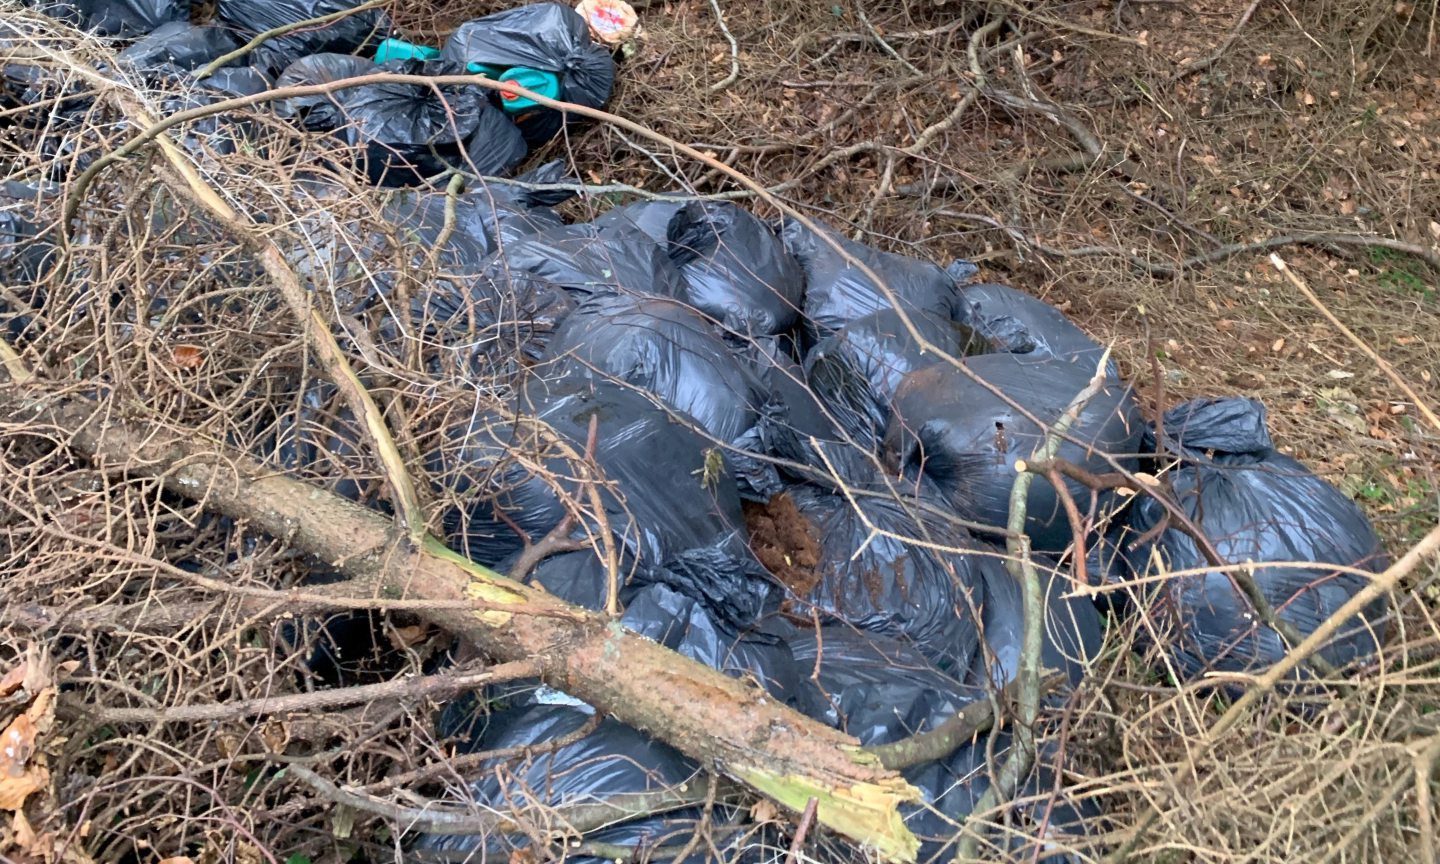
(1128, 162)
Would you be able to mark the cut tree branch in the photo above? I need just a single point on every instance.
(719, 721)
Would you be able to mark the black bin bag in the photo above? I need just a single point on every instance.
(857, 369)
(758, 653)
(952, 788)
(873, 688)
(586, 259)
(614, 760)
(179, 46)
(1013, 322)
(896, 588)
(678, 526)
(736, 269)
(487, 215)
(1073, 630)
(404, 133)
(549, 37)
(122, 19)
(322, 112)
(1255, 505)
(352, 33)
(667, 349)
(837, 293)
(235, 81)
(958, 434)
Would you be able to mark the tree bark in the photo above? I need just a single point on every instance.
(729, 726)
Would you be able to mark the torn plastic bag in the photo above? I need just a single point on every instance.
(681, 527)
(953, 430)
(123, 19)
(759, 654)
(665, 348)
(613, 760)
(955, 785)
(1255, 505)
(876, 689)
(736, 269)
(857, 369)
(1013, 322)
(352, 33)
(1073, 629)
(547, 37)
(891, 587)
(404, 133)
(322, 112)
(587, 260)
(179, 46)
(236, 81)
(837, 293)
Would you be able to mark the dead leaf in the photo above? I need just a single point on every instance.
(408, 637)
(12, 680)
(187, 357)
(764, 811)
(19, 777)
(275, 734)
(342, 821)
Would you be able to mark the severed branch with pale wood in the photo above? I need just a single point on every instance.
(726, 725)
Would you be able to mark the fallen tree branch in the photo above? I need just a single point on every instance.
(719, 721)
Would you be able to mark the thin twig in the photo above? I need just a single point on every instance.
(1021, 757)
(1230, 250)
(734, 52)
(880, 40)
(1385, 367)
(454, 765)
(432, 686)
(578, 818)
(807, 818)
(955, 731)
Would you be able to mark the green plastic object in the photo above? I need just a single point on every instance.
(492, 72)
(545, 83)
(397, 49)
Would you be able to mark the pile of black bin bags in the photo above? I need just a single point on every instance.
(399, 134)
(709, 361)
(720, 359)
